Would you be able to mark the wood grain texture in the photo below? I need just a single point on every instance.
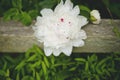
(14, 37)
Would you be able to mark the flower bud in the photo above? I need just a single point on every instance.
(95, 17)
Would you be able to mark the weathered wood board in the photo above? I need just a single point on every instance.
(14, 37)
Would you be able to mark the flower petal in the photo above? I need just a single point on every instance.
(56, 52)
(76, 10)
(68, 4)
(39, 19)
(46, 12)
(82, 34)
(67, 50)
(78, 43)
(59, 6)
(48, 51)
(82, 21)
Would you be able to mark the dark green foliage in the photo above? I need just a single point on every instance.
(113, 6)
(85, 11)
(34, 65)
(27, 10)
(16, 13)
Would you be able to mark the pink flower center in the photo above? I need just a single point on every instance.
(62, 20)
(69, 22)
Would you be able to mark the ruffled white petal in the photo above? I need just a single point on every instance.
(56, 52)
(78, 43)
(48, 51)
(68, 4)
(82, 34)
(76, 10)
(67, 50)
(46, 12)
(82, 20)
(39, 19)
(59, 6)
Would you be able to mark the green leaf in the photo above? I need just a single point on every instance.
(32, 58)
(14, 3)
(17, 4)
(8, 15)
(23, 71)
(98, 70)
(33, 13)
(85, 13)
(117, 59)
(46, 62)
(52, 59)
(107, 72)
(84, 8)
(33, 73)
(25, 18)
(7, 73)
(36, 64)
(5, 65)
(8, 78)
(44, 68)
(103, 61)
(37, 50)
(28, 78)
(37, 76)
(9, 58)
(41, 72)
(112, 70)
(86, 66)
(72, 69)
(97, 77)
(28, 52)
(80, 59)
(103, 67)
(94, 57)
(16, 17)
(2, 72)
(20, 65)
(47, 3)
(62, 74)
(17, 76)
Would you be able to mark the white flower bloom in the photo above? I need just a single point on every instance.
(60, 30)
(95, 16)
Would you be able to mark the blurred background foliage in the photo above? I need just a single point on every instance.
(27, 10)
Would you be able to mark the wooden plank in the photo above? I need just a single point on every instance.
(14, 37)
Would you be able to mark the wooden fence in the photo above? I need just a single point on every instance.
(16, 38)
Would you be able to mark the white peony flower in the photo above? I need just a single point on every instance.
(60, 30)
(95, 17)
